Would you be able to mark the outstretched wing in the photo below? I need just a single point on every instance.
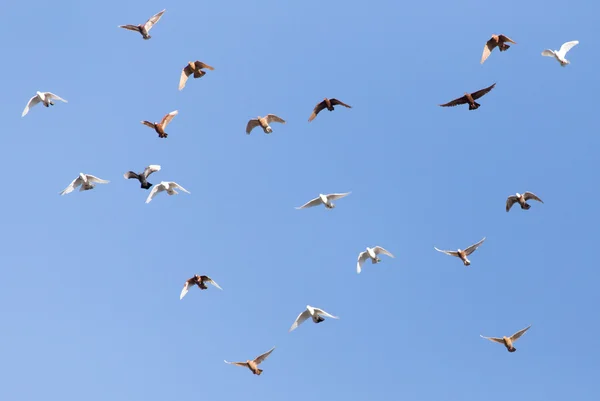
(361, 259)
(130, 27)
(148, 124)
(264, 356)
(456, 102)
(472, 248)
(211, 281)
(505, 38)
(451, 253)
(173, 185)
(299, 320)
(244, 364)
(548, 53)
(167, 119)
(251, 125)
(74, 184)
(155, 190)
(273, 118)
(529, 195)
(53, 96)
(510, 201)
(131, 174)
(322, 312)
(494, 339)
(335, 102)
(487, 49)
(337, 196)
(481, 92)
(153, 20)
(93, 178)
(185, 73)
(566, 47)
(32, 102)
(310, 203)
(153, 168)
(200, 65)
(320, 106)
(379, 250)
(518, 334)
(186, 288)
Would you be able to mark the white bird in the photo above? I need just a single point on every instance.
(168, 186)
(85, 180)
(371, 253)
(44, 97)
(314, 313)
(463, 254)
(560, 54)
(325, 200)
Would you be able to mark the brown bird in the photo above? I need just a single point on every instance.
(193, 67)
(496, 41)
(469, 98)
(263, 122)
(160, 127)
(508, 341)
(521, 199)
(253, 365)
(463, 254)
(145, 28)
(326, 104)
(199, 281)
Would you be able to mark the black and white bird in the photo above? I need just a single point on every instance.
(143, 176)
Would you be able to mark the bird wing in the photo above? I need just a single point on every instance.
(529, 195)
(148, 124)
(244, 364)
(472, 248)
(174, 185)
(310, 203)
(451, 253)
(264, 356)
(456, 102)
(213, 282)
(505, 38)
(337, 196)
(299, 320)
(548, 53)
(322, 312)
(156, 189)
(251, 125)
(186, 288)
(487, 49)
(273, 118)
(167, 119)
(379, 250)
(335, 102)
(364, 255)
(510, 201)
(200, 65)
(320, 106)
(495, 339)
(130, 174)
(153, 168)
(74, 184)
(518, 334)
(93, 178)
(481, 92)
(53, 96)
(130, 27)
(566, 47)
(32, 102)
(153, 20)
(185, 73)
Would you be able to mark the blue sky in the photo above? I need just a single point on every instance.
(90, 281)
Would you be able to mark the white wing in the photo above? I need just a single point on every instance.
(322, 312)
(337, 196)
(186, 288)
(174, 185)
(32, 102)
(53, 96)
(74, 184)
(93, 178)
(451, 253)
(364, 255)
(153, 20)
(548, 53)
(299, 320)
(213, 282)
(379, 250)
(156, 189)
(566, 47)
(310, 203)
(237, 363)
(153, 168)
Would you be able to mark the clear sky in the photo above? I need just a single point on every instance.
(90, 281)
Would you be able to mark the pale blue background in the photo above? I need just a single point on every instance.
(90, 281)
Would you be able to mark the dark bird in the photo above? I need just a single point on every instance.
(522, 200)
(143, 177)
(495, 41)
(253, 365)
(199, 281)
(469, 98)
(326, 104)
(193, 67)
(160, 127)
(508, 341)
(145, 28)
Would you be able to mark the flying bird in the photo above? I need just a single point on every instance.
(193, 67)
(143, 176)
(162, 125)
(559, 55)
(253, 365)
(522, 200)
(168, 186)
(326, 104)
(44, 97)
(463, 254)
(496, 41)
(199, 281)
(508, 341)
(370, 253)
(145, 28)
(469, 98)
(312, 312)
(263, 122)
(325, 200)
(85, 180)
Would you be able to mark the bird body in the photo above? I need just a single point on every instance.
(160, 127)
(326, 200)
(253, 364)
(263, 122)
(144, 28)
(469, 98)
(85, 181)
(44, 97)
(326, 104)
(198, 281)
(495, 41)
(143, 176)
(168, 186)
(560, 54)
(521, 200)
(315, 314)
(372, 254)
(459, 253)
(508, 341)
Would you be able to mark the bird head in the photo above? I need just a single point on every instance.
(518, 195)
(459, 250)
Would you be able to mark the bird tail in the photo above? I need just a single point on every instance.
(467, 263)
(199, 74)
(474, 106)
(513, 349)
(525, 206)
(503, 47)
(259, 371)
(147, 185)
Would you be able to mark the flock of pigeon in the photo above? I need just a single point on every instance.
(195, 68)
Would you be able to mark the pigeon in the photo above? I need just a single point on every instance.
(143, 177)
(162, 125)
(253, 365)
(314, 313)
(168, 186)
(463, 254)
(326, 104)
(559, 55)
(469, 98)
(370, 253)
(325, 200)
(145, 28)
(193, 67)
(44, 97)
(263, 122)
(495, 41)
(521, 199)
(508, 341)
(85, 180)
(199, 281)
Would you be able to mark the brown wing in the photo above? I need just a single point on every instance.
(264, 356)
(456, 102)
(335, 102)
(481, 92)
(518, 334)
(530, 195)
(130, 27)
(320, 106)
(148, 124)
(200, 64)
(185, 73)
(153, 20)
(167, 119)
(487, 49)
(251, 125)
(504, 38)
(273, 118)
